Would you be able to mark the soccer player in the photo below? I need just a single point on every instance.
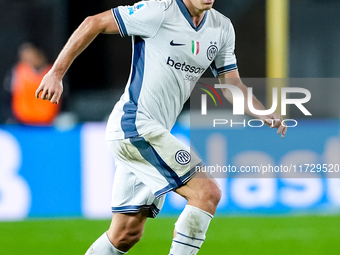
(174, 42)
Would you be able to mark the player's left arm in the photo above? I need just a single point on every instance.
(273, 120)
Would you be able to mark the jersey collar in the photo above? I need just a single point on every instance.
(186, 14)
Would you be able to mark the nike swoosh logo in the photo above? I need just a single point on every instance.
(176, 44)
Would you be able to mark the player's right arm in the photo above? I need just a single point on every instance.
(51, 85)
(233, 78)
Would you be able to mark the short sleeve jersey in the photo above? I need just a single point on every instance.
(169, 55)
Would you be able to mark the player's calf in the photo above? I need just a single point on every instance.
(126, 239)
(121, 243)
(124, 232)
(103, 246)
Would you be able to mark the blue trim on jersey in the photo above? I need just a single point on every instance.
(120, 22)
(214, 68)
(138, 69)
(128, 121)
(186, 14)
(150, 155)
(153, 210)
(225, 69)
(193, 238)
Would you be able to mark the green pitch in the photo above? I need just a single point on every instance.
(227, 235)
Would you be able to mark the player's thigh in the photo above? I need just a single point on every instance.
(201, 188)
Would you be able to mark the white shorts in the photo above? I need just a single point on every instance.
(148, 167)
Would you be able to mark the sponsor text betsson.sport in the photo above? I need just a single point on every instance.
(239, 104)
(191, 72)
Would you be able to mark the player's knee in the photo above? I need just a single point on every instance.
(127, 239)
(214, 194)
(210, 193)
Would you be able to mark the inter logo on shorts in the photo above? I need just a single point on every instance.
(212, 51)
(182, 157)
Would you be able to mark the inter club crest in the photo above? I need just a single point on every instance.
(212, 51)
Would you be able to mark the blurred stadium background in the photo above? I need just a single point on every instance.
(55, 181)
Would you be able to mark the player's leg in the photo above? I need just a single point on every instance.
(167, 164)
(127, 229)
(177, 165)
(124, 232)
(132, 202)
(203, 195)
(202, 192)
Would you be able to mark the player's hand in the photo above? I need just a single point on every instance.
(275, 121)
(51, 87)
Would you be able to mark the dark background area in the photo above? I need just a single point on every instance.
(98, 76)
(106, 62)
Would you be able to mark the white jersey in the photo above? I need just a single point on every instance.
(169, 55)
